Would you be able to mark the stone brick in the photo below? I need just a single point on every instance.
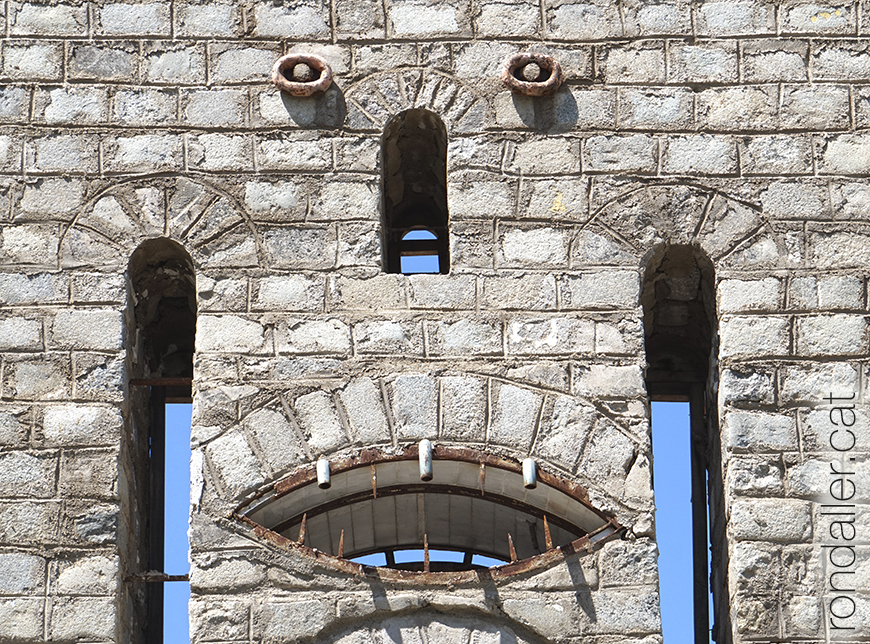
(82, 618)
(700, 154)
(32, 61)
(282, 199)
(88, 575)
(633, 62)
(523, 291)
(362, 20)
(233, 64)
(297, 247)
(533, 248)
(229, 333)
(424, 19)
(463, 408)
(34, 288)
(657, 19)
(414, 404)
(208, 20)
(841, 292)
(110, 61)
(613, 153)
(235, 463)
(515, 412)
(745, 336)
(313, 336)
(511, 18)
(749, 295)
(276, 439)
(838, 334)
(746, 386)
(22, 619)
(28, 475)
(136, 19)
(757, 432)
(14, 104)
(772, 61)
(86, 425)
(174, 63)
(807, 385)
(100, 329)
(552, 336)
(346, 200)
(320, 422)
(740, 108)
(24, 574)
(776, 155)
(28, 245)
(656, 109)
(603, 289)
(73, 105)
(442, 291)
(710, 62)
(145, 107)
(302, 20)
(290, 293)
(143, 153)
(815, 107)
(214, 108)
(289, 620)
(356, 155)
(389, 337)
(465, 337)
(220, 151)
(778, 520)
(29, 522)
(845, 154)
(361, 399)
(481, 60)
(285, 153)
(840, 60)
(571, 20)
(554, 156)
(89, 473)
(20, 334)
(609, 381)
(734, 18)
(63, 153)
(754, 476)
(368, 59)
(39, 19)
(381, 292)
(33, 377)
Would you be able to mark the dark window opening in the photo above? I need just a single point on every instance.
(414, 159)
(163, 326)
(679, 326)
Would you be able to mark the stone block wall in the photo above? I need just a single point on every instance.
(737, 127)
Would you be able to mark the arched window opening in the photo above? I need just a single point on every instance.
(414, 158)
(470, 512)
(679, 326)
(162, 321)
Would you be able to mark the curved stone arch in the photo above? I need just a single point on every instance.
(375, 99)
(434, 627)
(209, 222)
(731, 231)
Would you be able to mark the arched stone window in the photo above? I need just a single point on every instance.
(679, 325)
(162, 325)
(414, 161)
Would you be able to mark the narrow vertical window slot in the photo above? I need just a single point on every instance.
(415, 220)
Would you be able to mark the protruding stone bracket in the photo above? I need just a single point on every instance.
(532, 74)
(302, 74)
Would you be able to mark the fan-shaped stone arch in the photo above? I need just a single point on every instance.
(210, 223)
(375, 99)
(635, 218)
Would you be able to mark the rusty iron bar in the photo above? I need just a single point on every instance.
(425, 552)
(374, 471)
(547, 538)
(512, 549)
(301, 538)
(341, 545)
(155, 577)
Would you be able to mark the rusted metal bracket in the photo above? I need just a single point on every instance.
(155, 577)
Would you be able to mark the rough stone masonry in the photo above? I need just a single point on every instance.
(736, 129)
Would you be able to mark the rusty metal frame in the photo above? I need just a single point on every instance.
(371, 457)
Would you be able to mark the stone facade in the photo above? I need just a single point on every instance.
(738, 128)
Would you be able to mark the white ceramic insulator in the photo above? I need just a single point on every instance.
(425, 460)
(323, 474)
(530, 473)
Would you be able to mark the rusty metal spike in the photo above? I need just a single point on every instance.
(301, 538)
(374, 472)
(547, 538)
(341, 544)
(511, 547)
(425, 553)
